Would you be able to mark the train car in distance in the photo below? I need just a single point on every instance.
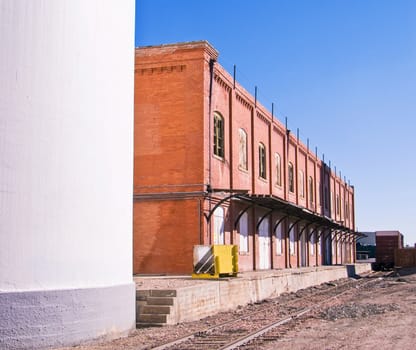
(386, 244)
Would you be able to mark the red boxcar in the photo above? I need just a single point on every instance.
(386, 243)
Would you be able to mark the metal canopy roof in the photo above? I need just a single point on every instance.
(288, 209)
(292, 210)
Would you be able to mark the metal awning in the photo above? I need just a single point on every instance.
(276, 204)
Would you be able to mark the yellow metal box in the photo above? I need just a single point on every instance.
(215, 261)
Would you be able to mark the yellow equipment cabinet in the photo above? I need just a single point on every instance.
(215, 261)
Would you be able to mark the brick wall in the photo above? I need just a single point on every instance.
(177, 90)
(165, 232)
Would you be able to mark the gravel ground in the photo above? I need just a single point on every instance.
(354, 310)
(381, 316)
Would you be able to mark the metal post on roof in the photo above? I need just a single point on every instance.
(272, 109)
(255, 96)
(297, 134)
(234, 76)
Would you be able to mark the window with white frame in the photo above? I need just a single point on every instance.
(279, 239)
(242, 149)
(243, 232)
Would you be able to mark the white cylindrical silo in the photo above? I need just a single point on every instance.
(66, 165)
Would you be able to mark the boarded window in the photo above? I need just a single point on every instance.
(242, 149)
(278, 164)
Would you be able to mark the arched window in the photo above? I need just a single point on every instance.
(311, 191)
(219, 226)
(218, 135)
(278, 165)
(262, 161)
(243, 231)
(242, 149)
(291, 179)
(292, 240)
(279, 239)
(301, 184)
(312, 243)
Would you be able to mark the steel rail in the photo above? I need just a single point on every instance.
(257, 334)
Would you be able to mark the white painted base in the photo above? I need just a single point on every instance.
(41, 319)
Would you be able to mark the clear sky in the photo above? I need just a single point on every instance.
(342, 71)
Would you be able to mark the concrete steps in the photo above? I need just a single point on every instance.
(154, 307)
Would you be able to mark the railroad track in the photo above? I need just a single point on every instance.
(260, 325)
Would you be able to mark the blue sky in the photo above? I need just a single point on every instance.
(342, 71)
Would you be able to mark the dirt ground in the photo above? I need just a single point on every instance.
(380, 317)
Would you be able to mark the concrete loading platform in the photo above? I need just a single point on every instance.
(163, 300)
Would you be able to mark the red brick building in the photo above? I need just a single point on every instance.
(213, 166)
